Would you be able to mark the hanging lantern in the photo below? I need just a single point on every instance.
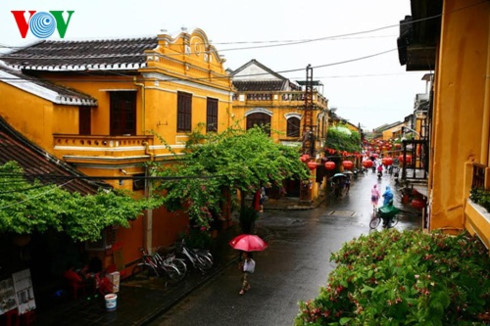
(329, 165)
(387, 161)
(312, 165)
(367, 164)
(418, 203)
(408, 157)
(304, 158)
(347, 164)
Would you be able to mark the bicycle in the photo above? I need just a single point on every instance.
(169, 264)
(146, 268)
(379, 216)
(200, 259)
(153, 267)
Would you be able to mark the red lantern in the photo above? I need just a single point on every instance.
(304, 158)
(329, 165)
(311, 165)
(347, 164)
(418, 203)
(367, 164)
(409, 159)
(387, 161)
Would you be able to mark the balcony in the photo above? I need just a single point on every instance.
(477, 218)
(103, 149)
(271, 99)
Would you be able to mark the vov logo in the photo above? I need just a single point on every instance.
(42, 24)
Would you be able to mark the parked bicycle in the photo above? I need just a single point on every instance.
(146, 268)
(172, 260)
(154, 266)
(200, 259)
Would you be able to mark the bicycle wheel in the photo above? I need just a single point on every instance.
(394, 221)
(180, 264)
(172, 273)
(373, 224)
(205, 263)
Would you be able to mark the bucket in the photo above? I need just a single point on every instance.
(110, 301)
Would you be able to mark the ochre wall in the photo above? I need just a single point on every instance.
(20, 109)
(460, 84)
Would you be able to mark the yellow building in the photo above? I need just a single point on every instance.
(99, 105)
(264, 97)
(452, 37)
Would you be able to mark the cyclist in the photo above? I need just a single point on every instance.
(387, 195)
(387, 212)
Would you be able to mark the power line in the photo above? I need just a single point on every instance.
(303, 41)
(36, 196)
(26, 79)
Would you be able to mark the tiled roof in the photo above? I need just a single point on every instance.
(254, 62)
(263, 85)
(34, 161)
(119, 54)
(45, 89)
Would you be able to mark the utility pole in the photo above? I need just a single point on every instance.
(308, 126)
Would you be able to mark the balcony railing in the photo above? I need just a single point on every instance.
(101, 141)
(79, 147)
(281, 97)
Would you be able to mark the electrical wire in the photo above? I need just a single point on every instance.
(36, 196)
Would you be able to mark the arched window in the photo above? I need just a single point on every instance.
(293, 127)
(259, 119)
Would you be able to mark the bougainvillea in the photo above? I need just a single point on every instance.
(408, 278)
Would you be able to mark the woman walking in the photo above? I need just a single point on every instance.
(375, 197)
(246, 266)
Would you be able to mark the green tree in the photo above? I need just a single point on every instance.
(235, 159)
(343, 139)
(27, 207)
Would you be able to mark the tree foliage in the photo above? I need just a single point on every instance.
(343, 139)
(27, 207)
(404, 278)
(234, 159)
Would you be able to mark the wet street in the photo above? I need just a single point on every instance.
(293, 268)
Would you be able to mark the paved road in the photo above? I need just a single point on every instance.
(293, 268)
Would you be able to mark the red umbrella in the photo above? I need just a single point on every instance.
(248, 242)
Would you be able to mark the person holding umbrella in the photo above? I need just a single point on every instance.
(246, 266)
(247, 243)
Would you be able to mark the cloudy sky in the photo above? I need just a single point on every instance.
(350, 43)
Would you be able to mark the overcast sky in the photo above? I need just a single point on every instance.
(370, 91)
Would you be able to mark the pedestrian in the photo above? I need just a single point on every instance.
(387, 196)
(262, 199)
(375, 196)
(246, 266)
(347, 185)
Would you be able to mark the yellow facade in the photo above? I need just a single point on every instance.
(186, 64)
(392, 132)
(460, 127)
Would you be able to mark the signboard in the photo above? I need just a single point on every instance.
(24, 291)
(7, 296)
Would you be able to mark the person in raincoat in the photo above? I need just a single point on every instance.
(387, 196)
(375, 196)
